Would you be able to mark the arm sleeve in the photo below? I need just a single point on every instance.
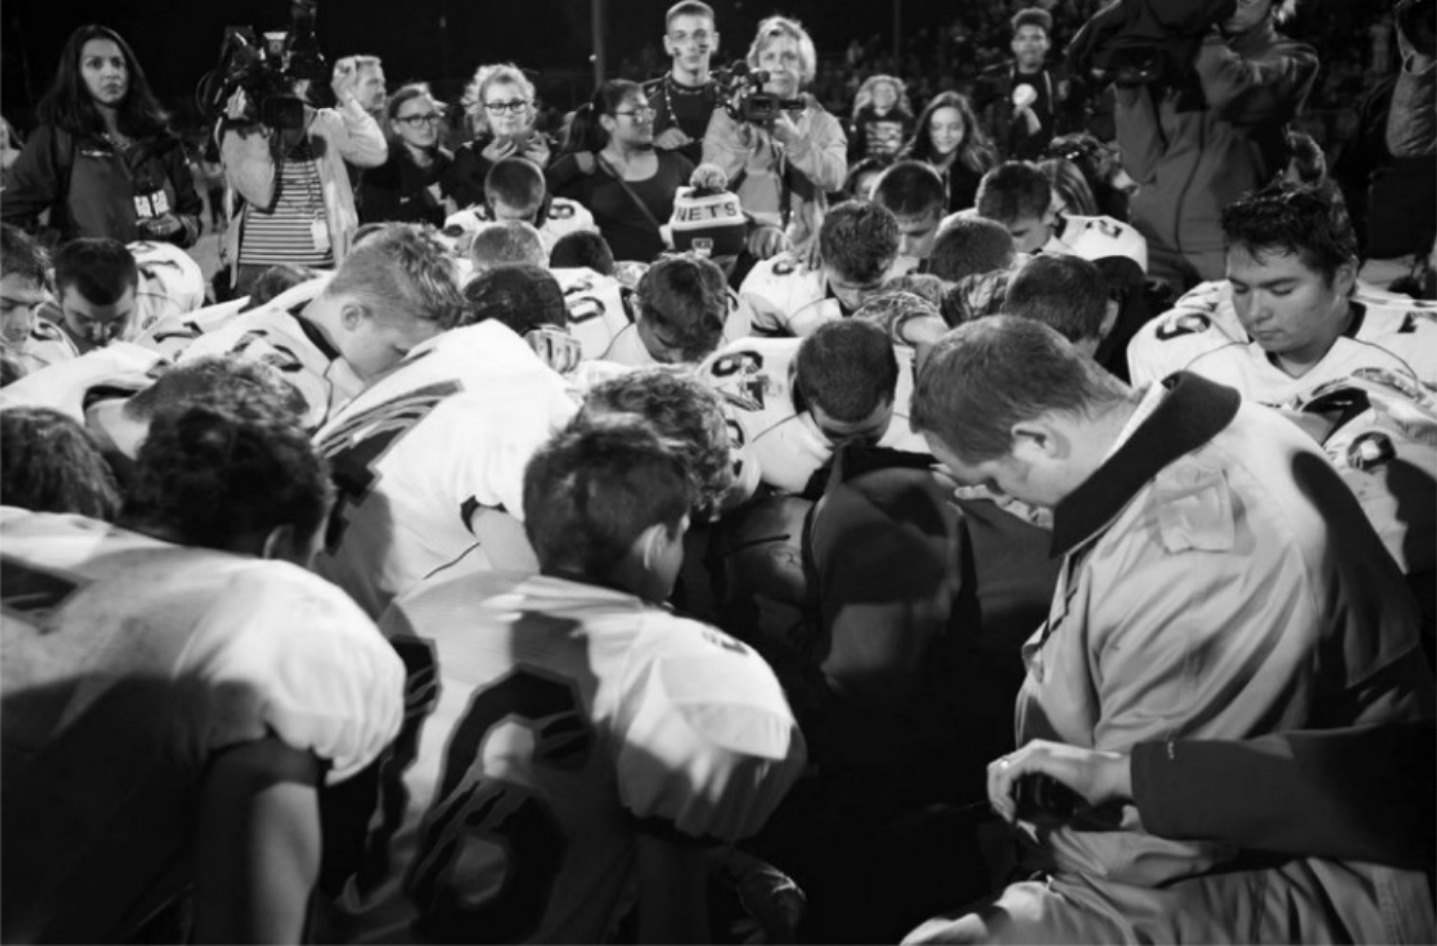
(282, 652)
(1350, 794)
(822, 155)
(248, 164)
(1140, 135)
(1248, 92)
(31, 186)
(188, 205)
(357, 136)
(724, 144)
(708, 745)
(1412, 120)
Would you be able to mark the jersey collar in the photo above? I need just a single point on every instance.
(1194, 411)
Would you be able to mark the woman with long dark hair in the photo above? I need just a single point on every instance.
(104, 161)
(411, 186)
(950, 138)
(610, 166)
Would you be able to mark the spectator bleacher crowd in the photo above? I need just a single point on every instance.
(979, 492)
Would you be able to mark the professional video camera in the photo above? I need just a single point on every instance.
(267, 71)
(741, 89)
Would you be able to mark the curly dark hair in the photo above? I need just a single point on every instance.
(50, 463)
(68, 103)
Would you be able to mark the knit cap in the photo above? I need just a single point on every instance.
(711, 223)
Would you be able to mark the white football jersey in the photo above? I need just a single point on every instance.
(129, 663)
(1382, 438)
(565, 216)
(788, 298)
(278, 335)
(756, 377)
(1202, 334)
(47, 345)
(550, 724)
(600, 309)
(1095, 238)
(117, 370)
(446, 432)
(171, 284)
(172, 334)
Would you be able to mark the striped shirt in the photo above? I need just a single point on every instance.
(285, 234)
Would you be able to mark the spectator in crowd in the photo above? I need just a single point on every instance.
(501, 103)
(1071, 193)
(299, 204)
(882, 119)
(606, 507)
(409, 186)
(685, 97)
(1287, 319)
(192, 686)
(24, 279)
(782, 168)
(913, 191)
(613, 169)
(1272, 574)
(366, 75)
(95, 281)
(1025, 101)
(1190, 163)
(858, 244)
(949, 137)
(104, 160)
(1101, 168)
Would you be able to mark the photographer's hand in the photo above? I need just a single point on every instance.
(536, 149)
(236, 107)
(786, 130)
(1098, 776)
(165, 225)
(344, 85)
(498, 149)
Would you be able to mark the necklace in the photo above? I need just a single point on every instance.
(671, 85)
(117, 140)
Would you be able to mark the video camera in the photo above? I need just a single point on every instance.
(266, 71)
(741, 89)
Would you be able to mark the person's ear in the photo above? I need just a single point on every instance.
(280, 545)
(1036, 439)
(714, 43)
(650, 546)
(1110, 318)
(1345, 278)
(351, 314)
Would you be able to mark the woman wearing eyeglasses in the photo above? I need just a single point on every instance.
(413, 183)
(501, 108)
(610, 166)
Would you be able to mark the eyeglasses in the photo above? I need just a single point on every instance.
(640, 114)
(513, 108)
(414, 121)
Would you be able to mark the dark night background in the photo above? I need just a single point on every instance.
(178, 40)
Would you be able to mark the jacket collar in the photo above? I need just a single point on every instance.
(1194, 411)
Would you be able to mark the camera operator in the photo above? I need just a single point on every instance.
(1191, 159)
(287, 163)
(782, 168)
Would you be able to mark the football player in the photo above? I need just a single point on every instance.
(33, 340)
(859, 244)
(397, 289)
(1290, 316)
(797, 399)
(429, 461)
(171, 283)
(176, 691)
(571, 744)
(1019, 196)
(95, 283)
(914, 192)
(514, 190)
